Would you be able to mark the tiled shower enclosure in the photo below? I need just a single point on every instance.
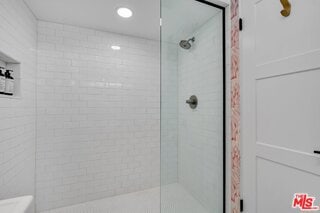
(102, 121)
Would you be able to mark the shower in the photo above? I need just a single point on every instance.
(186, 44)
(98, 120)
(192, 134)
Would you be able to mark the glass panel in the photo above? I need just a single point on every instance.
(191, 133)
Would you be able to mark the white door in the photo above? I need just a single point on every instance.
(280, 111)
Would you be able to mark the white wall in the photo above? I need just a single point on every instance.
(201, 130)
(18, 39)
(98, 115)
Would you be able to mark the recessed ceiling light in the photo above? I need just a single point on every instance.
(124, 12)
(114, 47)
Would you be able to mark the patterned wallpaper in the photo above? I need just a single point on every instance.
(235, 108)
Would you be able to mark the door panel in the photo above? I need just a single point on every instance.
(275, 191)
(276, 36)
(287, 115)
(280, 104)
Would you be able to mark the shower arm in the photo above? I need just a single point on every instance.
(192, 39)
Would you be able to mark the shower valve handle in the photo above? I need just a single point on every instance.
(193, 102)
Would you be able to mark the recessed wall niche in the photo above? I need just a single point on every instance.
(10, 63)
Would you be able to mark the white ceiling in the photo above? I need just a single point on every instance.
(179, 17)
(102, 15)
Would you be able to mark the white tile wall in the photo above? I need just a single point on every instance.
(98, 115)
(18, 39)
(169, 113)
(201, 130)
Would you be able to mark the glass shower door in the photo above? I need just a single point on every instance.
(192, 107)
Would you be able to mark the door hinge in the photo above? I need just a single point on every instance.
(241, 205)
(240, 24)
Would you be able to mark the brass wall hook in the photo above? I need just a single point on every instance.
(286, 8)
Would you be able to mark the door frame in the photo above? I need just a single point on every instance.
(248, 180)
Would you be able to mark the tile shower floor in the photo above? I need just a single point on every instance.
(175, 200)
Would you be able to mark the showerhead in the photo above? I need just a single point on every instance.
(186, 44)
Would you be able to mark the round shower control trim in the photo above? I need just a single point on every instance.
(193, 102)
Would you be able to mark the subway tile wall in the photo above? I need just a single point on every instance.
(201, 130)
(97, 115)
(18, 39)
(169, 113)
